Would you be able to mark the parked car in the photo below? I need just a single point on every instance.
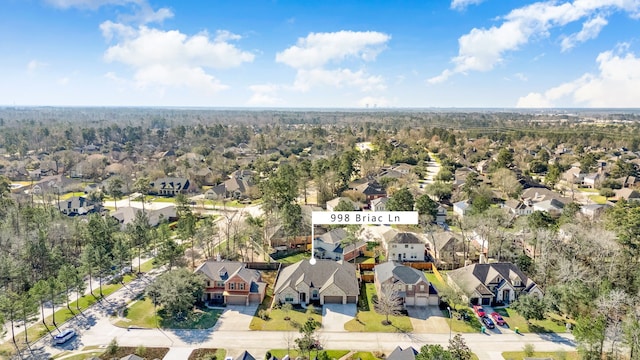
(488, 322)
(498, 318)
(479, 310)
(64, 336)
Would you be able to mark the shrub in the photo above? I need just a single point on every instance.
(263, 314)
(528, 350)
(113, 347)
(141, 351)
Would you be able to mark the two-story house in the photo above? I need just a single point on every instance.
(332, 245)
(231, 283)
(489, 284)
(170, 186)
(77, 205)
(410, 284)
(405, 246)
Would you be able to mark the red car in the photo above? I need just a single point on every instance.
(497, 318)
(479, 310)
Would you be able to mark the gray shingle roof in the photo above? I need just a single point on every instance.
(474, 277)
(320, 275)
(399, 354)
(405, 274)
(406, 238)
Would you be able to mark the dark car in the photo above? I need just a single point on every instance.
(497, 318)
(479, 310)
(488, 322)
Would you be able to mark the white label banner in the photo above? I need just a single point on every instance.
(364, 217)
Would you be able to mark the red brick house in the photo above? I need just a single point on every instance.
(231, 283)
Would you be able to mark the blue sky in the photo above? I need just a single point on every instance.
(345, 54)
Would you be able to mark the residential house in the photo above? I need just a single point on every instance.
(56, 184)
(573, 176)
(410, 284)
(593, 211)
(490, 284)
(627, 195)
(628, 181)
(245, 356)
(325, 282)
(483, 166)
(441, 214)
(379, 204)
(399, 354)
(371, 190)
(331, 245)
(78, 205)
(517, 207)
(448, 249)
(127, 214)
(405, 246)
(333, 203)
(218, 192)
(231, 283)
(592, 180)
(462, 208)
(552, 206)
(170, 186)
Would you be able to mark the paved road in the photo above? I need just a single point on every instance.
(95, 328)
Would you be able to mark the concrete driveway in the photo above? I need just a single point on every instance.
(428, 319)
(334, 316)
(236, 317)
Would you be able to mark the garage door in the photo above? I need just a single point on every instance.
(236, 300)
(421, 301)
(352, 299)
(434, 300)
(486, 301)
(409, 301)
(333, 299)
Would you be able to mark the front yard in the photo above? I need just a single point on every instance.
(142, 314)
(293, 353)
(558, 355)
(368, 320)
(552, 324)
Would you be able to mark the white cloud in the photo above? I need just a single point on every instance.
(373, 102)
(590, 30)
(318, 49)
(463, 4)
(143, 14)
(63, 81)
(34, 65)
(306, 79)
(482, 49)
(614, 86)
(265, 95)
(521, 76)
(171, 58)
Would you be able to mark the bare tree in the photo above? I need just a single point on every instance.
(388, 303)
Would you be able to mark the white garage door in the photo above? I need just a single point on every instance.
(421, 301)
(409, 301)
(434, 300)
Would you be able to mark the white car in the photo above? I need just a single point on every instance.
(64, 336)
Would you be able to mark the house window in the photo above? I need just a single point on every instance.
(409, 287)
(421, 287)
(395, 246)
(241, 286)
(314, 294)
(232, 286)
(208, 283)
(219, 283)
(288, 298)
(406, 246)
(404, 255)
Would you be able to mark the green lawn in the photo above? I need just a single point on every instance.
(295, 258)
(199, 319)
(363, 355)
(293, 353)
(470, 326)
(552, 323)
(277, 322)
(140, 314)
(39, 330)
(558, 355)
(439, 285)
(368, 320)
(598, 199)
(71, 194)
